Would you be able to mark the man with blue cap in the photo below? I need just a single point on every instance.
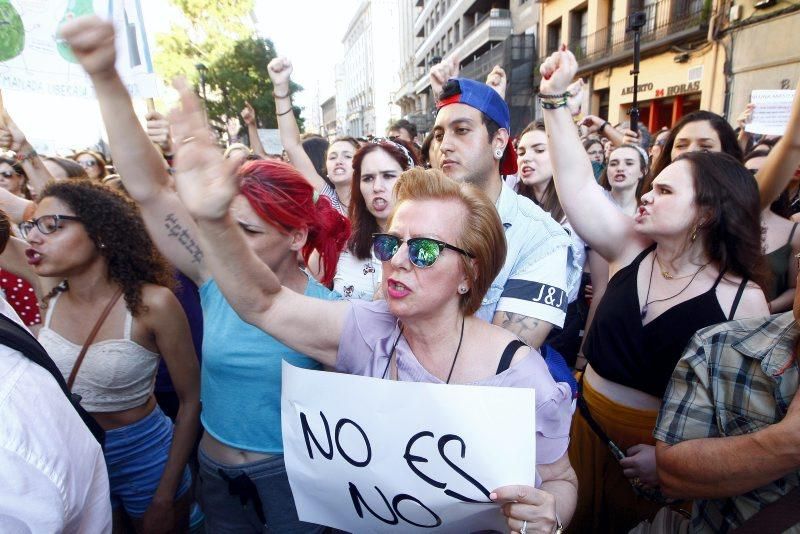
(472, 133)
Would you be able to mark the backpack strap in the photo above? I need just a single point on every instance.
(17, 338)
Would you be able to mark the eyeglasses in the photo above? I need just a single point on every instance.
(87, 163)
(422, 251)
(8, 174)
(46, 224)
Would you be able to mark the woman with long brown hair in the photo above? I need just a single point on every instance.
(690, 258)
(376, 168)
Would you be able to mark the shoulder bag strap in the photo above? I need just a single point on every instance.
(777, 516)
(92, 335)
(18, 338)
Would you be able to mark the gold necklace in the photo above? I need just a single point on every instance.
(669, 276)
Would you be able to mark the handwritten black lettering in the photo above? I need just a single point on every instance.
(405, 497)
(411, 458)
(443, 441)
(307, 433)
(346, 456)
(358, 500)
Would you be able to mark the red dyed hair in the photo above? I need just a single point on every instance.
(285, 200)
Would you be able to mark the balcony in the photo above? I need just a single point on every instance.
(668, 22)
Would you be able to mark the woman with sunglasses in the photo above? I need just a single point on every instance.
(376, 168)
(686, 261)
(103, 291)
(442, 247)
(243, 486)
(93, 163)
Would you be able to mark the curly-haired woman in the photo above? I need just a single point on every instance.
(86, 247)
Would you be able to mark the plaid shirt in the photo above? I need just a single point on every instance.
(734, 378)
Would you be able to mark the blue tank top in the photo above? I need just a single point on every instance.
(240, 380)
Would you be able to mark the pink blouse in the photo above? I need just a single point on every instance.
(370, 330)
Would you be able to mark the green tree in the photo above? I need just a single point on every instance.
(241, 75)
(219, 34)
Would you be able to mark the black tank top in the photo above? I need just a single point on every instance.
(642, 357)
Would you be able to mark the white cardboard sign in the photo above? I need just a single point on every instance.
(371, 455)
(34, 59)
(771, 112)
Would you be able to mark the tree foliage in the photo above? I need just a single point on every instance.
(219, 35)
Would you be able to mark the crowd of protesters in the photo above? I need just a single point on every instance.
(643, 283)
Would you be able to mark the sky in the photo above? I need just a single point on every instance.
(309, 32)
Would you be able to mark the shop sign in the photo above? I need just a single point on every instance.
(680, 89)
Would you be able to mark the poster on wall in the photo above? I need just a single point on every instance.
(371, 455)
(34, 59)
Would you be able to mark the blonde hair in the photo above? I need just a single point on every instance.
(481, 231)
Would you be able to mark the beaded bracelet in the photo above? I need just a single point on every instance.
(565, 94)
(554, 104)
(21, 157)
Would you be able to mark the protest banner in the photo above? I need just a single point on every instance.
(771, 111)
(371, 455)
(33, 59)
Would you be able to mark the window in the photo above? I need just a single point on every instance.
(579, 31)
(553, 36)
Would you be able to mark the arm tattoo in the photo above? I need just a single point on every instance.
(175, 229)
(529, 329)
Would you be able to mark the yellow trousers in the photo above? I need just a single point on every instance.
(606, 501)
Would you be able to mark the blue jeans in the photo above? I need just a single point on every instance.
(251, 497)
(136, 455)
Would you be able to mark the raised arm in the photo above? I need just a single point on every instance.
(280, 70)
(249, 117)
(138, 161)
(590, 211)
(783, 160)
(207, 185)
(37, 173)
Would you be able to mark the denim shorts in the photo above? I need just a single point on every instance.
(226, 495)
(136, 455)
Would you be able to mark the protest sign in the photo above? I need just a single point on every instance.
(33, 59)
(771, 111)
(371, 455)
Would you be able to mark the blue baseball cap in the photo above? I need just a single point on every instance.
(485, 99)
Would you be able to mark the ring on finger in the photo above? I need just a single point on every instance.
(524, 528)
(188, 139)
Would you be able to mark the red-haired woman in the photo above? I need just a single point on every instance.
(376, 168)
(241, 452)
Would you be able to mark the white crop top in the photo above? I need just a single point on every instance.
(116, 374)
